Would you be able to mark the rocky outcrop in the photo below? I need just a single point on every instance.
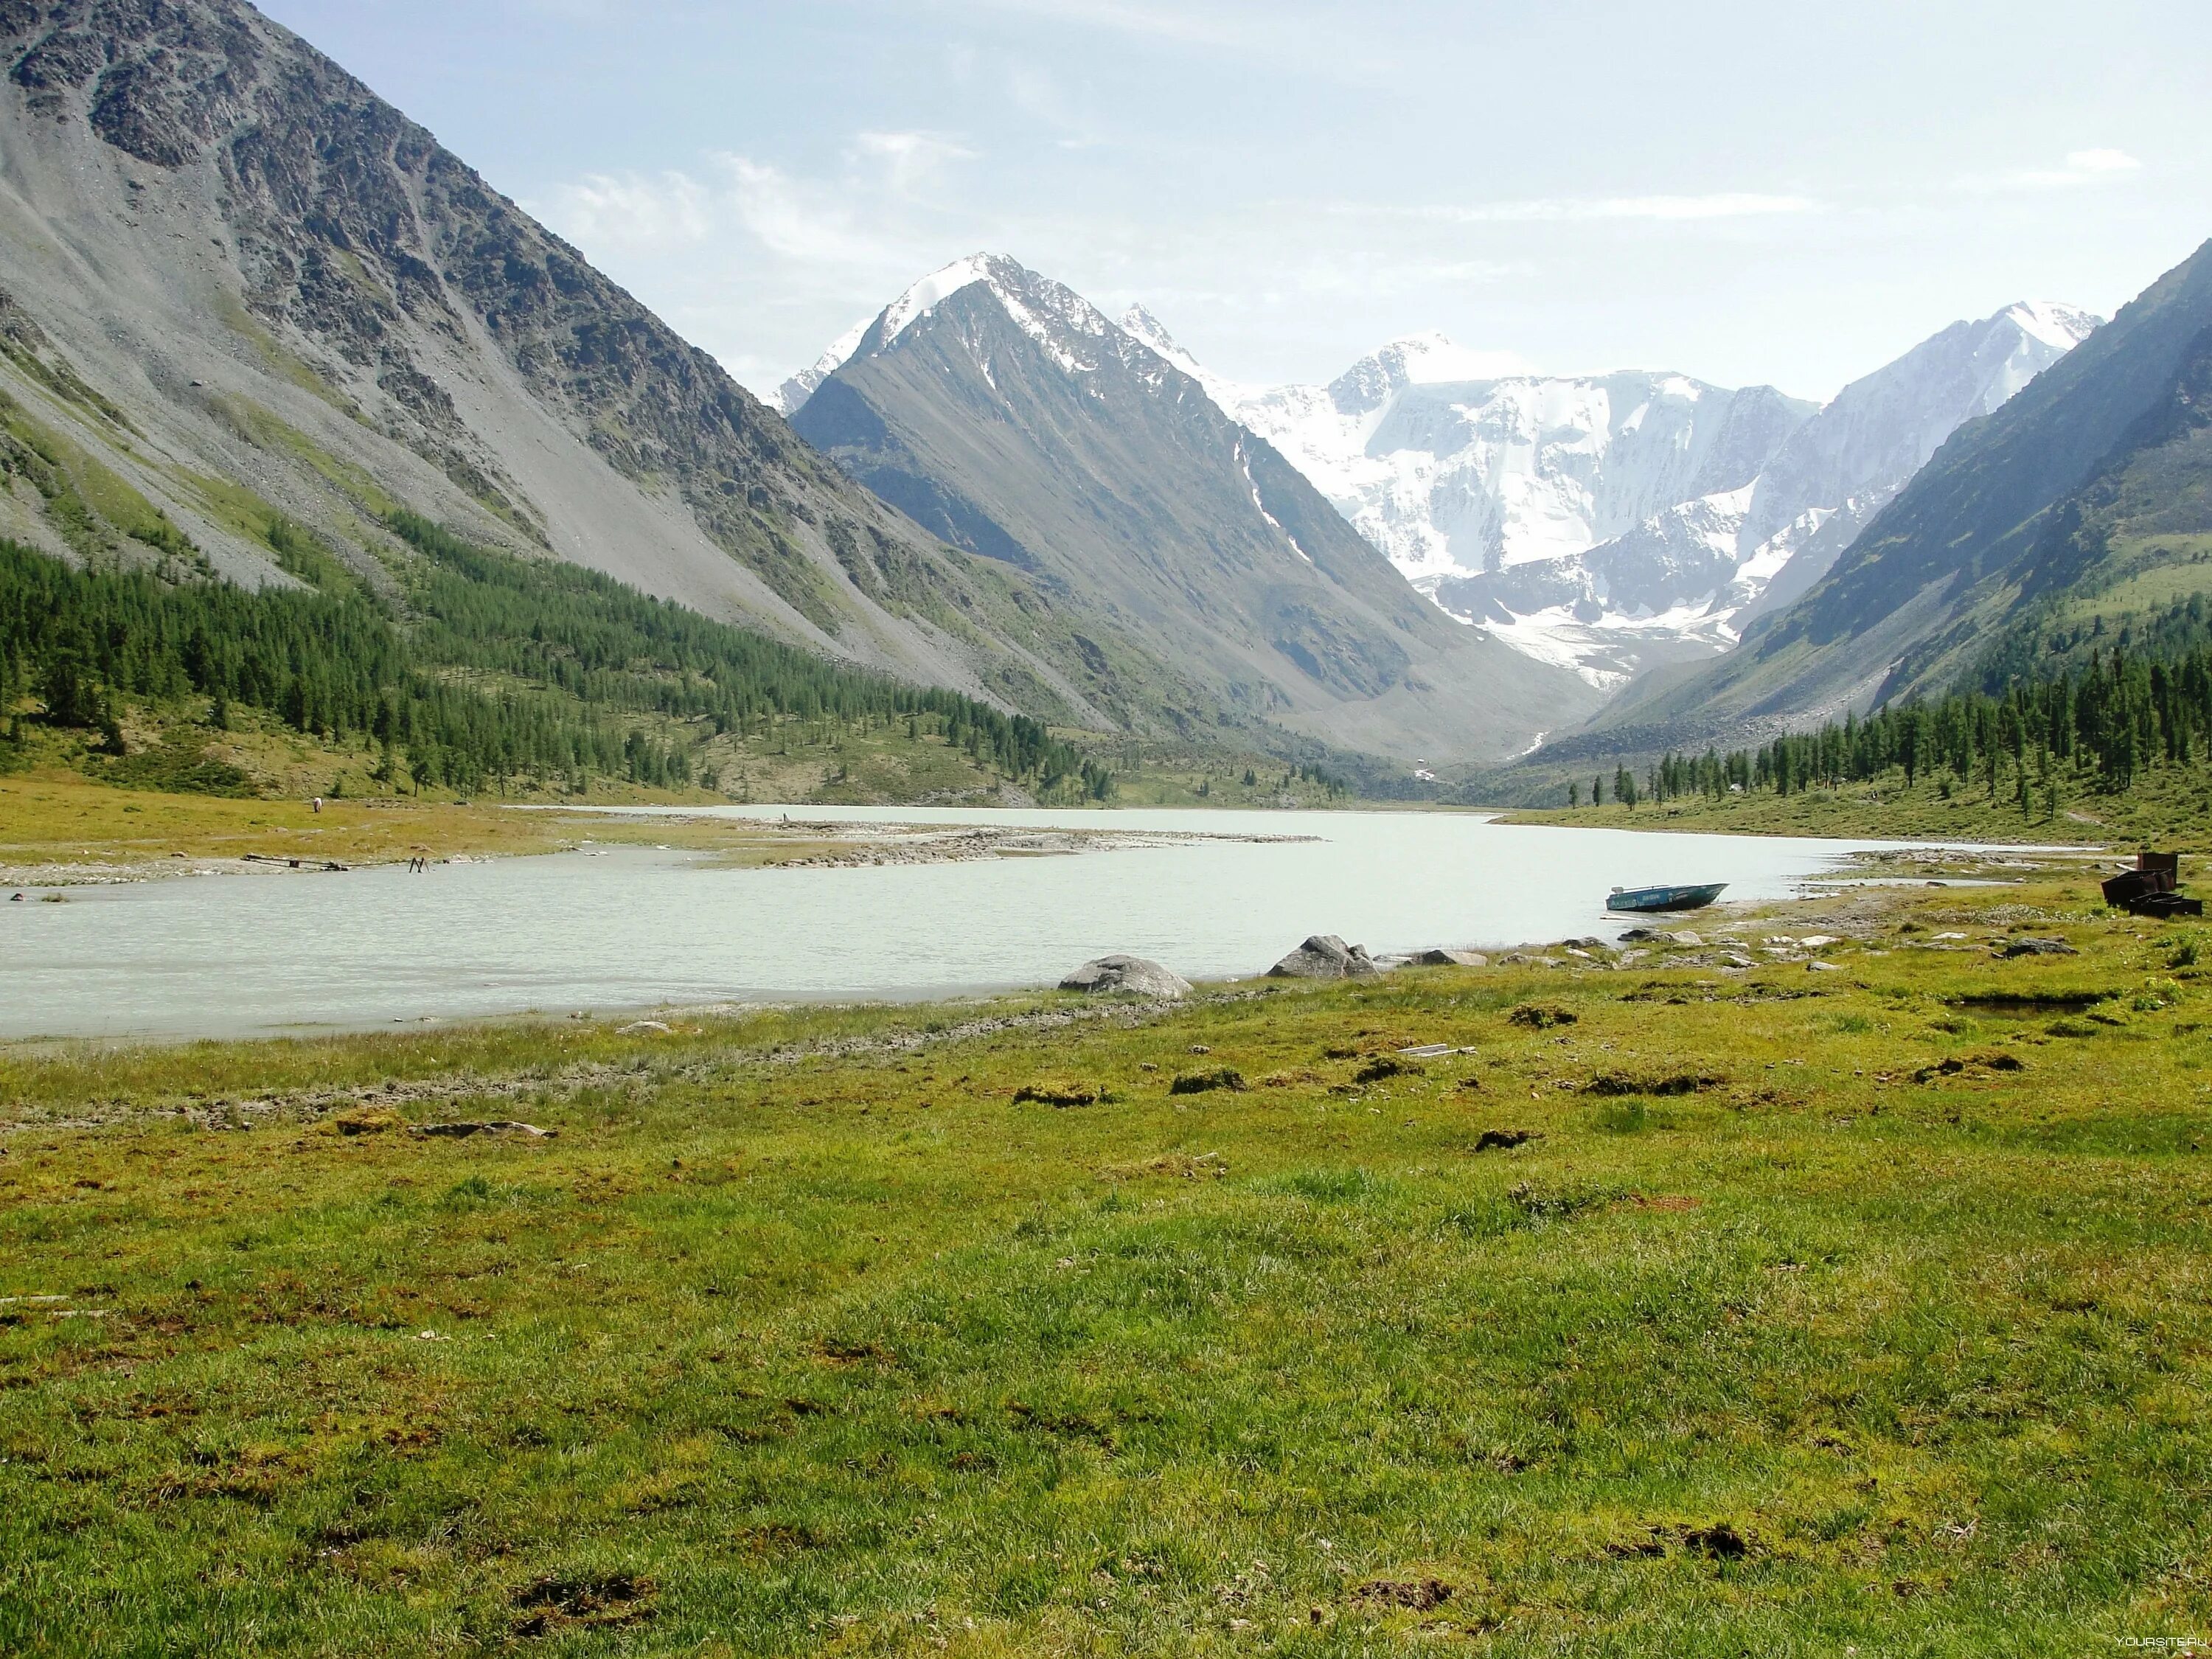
(1132, 975)
(1325, 956)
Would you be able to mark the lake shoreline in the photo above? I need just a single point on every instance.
(665, 932)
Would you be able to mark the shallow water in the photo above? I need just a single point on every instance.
(245, 955)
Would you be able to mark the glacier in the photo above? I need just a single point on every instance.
(1610, 523)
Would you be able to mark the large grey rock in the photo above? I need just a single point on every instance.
(1450, 959)
(1325, 957)
(1131, 973)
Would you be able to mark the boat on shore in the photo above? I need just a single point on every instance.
(1645, 900)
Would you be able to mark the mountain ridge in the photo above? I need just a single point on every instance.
(1011, 416)
(1522, 503)
(2017, 510)
(301, 306)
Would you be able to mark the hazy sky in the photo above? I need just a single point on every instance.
(1776, 189)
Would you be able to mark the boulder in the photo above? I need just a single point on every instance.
(1450, 959)
(1325, 957)
(1131, 973)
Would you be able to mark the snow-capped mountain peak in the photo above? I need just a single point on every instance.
(1048, 312)
(800, 387)
(1430, 359)
(1606, 522)
(1613, 522)
(2060, 326)
(932, 290)
(1140, 326)
(1057, 317)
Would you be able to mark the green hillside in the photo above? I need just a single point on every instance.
(484, 670)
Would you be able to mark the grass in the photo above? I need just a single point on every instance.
(2168, 807)
(58, 830)
(61, 799)
(806, 1335)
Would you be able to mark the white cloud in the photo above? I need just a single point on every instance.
(796, 219)
(2086, 167)
(631, 211)
(2083, 166)
(909, 159)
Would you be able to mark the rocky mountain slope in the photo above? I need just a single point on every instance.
(2088, 494)
(1616, 522)
(1006, 414)
(241, 290)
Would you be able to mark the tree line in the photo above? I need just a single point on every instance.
(493, 667)
(2099, 728)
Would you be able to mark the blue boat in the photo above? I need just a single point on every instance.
(1664, 898)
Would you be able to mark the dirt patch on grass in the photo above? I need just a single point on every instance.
(836, 1351)
(1615, 1085)
(1061, 1092)
(1389, 1065)
(601, 1600)
(1414, 1594)
(1203, 1166)
(1720, 1540)
(1490, 1140)
(1990, 1064)
(366, 1121)
(1542, 1016)
(1558, 1203)
(2032, 1005)
(1200, 1082)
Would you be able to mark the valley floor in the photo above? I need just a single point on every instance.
(1681, 1310)
(2169, 808)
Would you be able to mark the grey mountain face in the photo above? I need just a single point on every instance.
(277, 282)
(1003, 412)
(2062, 483)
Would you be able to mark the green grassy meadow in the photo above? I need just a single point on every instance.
(1693, 1312)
